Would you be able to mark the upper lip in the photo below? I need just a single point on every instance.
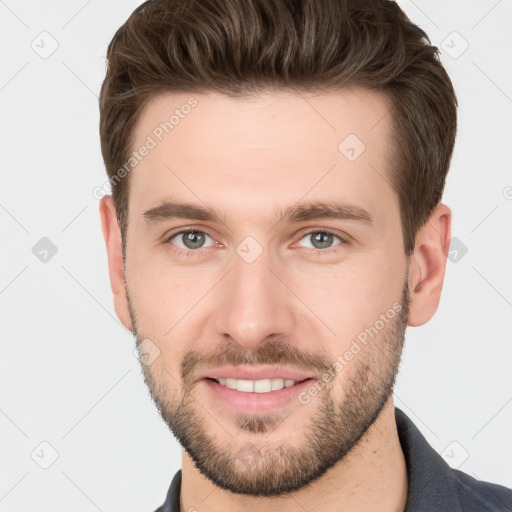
(255, 373)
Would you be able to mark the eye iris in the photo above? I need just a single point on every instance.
(194, 238)
(324, 240)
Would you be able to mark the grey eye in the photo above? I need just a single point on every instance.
(189, 239)
(321, 239)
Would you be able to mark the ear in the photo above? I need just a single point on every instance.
(427, 265)
(112, 235)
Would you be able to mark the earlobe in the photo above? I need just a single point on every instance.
(428, 264)
(112, 235)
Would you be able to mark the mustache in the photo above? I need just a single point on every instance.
(271, 353)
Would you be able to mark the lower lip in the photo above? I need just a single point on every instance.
(256, 403)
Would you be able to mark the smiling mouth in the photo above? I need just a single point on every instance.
(256, 386)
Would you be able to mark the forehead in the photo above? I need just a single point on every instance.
(262, 151)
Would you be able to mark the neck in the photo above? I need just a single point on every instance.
(372, 476)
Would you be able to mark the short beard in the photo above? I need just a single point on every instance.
(333, 429)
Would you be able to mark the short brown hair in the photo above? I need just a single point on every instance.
(239, 47)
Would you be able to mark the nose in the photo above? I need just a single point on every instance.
(254, 303)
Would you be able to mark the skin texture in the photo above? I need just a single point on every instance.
(295, 305)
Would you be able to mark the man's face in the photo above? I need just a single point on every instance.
(258, 290)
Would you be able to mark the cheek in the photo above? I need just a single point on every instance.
(350, 297)
(161, 291)
(170, 307)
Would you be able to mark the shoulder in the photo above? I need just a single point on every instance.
(477, 495)
(435, 486)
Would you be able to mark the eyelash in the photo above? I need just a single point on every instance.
(187, 252)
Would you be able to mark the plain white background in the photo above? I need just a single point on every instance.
(68, 373)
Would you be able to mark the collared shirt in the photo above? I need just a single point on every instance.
(433, 486)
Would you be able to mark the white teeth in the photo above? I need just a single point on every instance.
(245, 385)
(230, 383)
(257, 386)
(277, 384)
(262, 386)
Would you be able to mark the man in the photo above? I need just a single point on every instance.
(276, 222)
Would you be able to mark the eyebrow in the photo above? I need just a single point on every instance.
(170, 210)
